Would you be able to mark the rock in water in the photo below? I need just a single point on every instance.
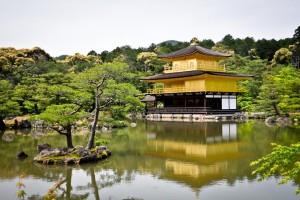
(22, 155)
(43, 146)
(270, 120)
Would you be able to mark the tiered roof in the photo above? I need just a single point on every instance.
(192, 49)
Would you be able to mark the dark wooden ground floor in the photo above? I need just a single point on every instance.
(193, 103)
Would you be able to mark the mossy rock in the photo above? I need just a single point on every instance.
(78, 155)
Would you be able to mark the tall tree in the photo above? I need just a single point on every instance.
(266, 48)
(65, 104)
(243, 46)
(268, 97)
(296, 35)
(282, 56)
(207, 43)
(289, 81)
(280, 90)
(78, 63)
(295, 48)
(8, 106)
(92, 53)
(228, 41)
(108, 83)
(61, 118)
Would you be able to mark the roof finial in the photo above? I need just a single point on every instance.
(194, 42)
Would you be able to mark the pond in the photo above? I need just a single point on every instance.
(154, 160)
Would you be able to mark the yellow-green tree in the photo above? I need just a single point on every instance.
(282, 56)
(283, 160)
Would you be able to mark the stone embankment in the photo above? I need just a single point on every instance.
(201, 117)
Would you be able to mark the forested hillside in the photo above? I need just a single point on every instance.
(31, 80)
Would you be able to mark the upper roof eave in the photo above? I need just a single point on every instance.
(192, 50)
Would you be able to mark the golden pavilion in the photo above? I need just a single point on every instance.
(194, 83)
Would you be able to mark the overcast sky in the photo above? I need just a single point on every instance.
(78, 26)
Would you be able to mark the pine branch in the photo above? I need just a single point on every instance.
(78, 109)
(58, 130)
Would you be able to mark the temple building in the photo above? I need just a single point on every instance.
(193, 83)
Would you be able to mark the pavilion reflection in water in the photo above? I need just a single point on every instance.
(196, 154)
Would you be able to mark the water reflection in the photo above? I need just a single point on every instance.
(198, 154)
(172, 159)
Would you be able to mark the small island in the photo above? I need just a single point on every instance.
(78, 155)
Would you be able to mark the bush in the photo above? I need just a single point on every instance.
(101, 142)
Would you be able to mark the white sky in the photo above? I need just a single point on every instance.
(78, 26)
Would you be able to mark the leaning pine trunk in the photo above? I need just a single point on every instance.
(277, 112)
(93, 131)
(69, 136)
(95, 121)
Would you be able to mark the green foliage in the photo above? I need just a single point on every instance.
(101, 142)
(283, 160)
(116, 86)
(36, 93)
(228, 41)
(272, 89)
(219, 47)
(243, 46)
(8, 106)
(296, 35)
(268, 98)
(207, 43)
(295, 60)
(146, 57)
(238, 46)
(62, 114)
(117, 112)
(50, 195)
(266, 48)
(282, 56)
(78, 63)
(280, 91)
(289, 80)
(15, 64)
(170, 46)
(21, 193)
(149, 62)
(245, 102)
(109, 122)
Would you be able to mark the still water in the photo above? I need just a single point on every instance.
(154, 160)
